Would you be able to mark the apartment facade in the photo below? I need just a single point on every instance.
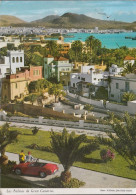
(16, 85)
(121, 84)
(55, 66)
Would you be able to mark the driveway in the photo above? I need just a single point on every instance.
(92, 179)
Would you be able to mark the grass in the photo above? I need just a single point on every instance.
(7, 182)
(118, 166)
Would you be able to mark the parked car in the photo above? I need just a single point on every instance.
(35, 169)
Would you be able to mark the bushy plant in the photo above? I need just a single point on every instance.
(88, 107)
(35, 130)
(7, 169)
(57, 183)
(107, 155)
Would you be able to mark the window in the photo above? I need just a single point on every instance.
(33, 72)
(94, 78)
(78, 77)
(117, 86)
(7, 70)
(21, 59)
(37, 72)
(83, 79)
(0, 70)
(17, 59)
(73, 84)
(126, 86)
(16, 85)
(13, 60)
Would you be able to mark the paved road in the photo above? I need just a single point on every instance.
(57, 129)
(91, 178)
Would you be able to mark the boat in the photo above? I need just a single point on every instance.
(134, 38)
(128, 37)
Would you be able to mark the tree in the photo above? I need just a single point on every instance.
(124, 140)
(128, 96)
(33, 98)
(93, 45)
(6, 137)
(56, 90)
(76, 48)
(52, 47)
(35, 130)
(70, 148)
(101, 93)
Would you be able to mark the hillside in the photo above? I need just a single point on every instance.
(67, 20)
(71, 20)
(7, 20)
(46, 19)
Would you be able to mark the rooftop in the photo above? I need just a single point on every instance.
(129, 58)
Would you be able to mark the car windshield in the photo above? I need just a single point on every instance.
(37, 164)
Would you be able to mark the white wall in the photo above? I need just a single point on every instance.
(40, 120)
(88, 101)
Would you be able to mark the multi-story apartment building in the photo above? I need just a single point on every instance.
(55, 66)
(121, 84)
(90, 75)
(16, 85)
(11, 64)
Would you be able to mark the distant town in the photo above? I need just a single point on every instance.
(48, 31)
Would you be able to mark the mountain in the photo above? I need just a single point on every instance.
(7, 20)
(72, 20)
(67, 20)
(46, 19)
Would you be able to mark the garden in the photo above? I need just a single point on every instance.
(115, 156)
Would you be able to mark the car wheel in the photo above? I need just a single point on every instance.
(42, 174)
(18, 171)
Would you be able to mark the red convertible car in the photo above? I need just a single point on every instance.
(35, 169)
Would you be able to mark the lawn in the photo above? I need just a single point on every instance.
(118, 166)
(8, 182)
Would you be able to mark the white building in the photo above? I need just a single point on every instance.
(92, 76)
(11, 63)
(4, 41)
(129, 59)
(121, 84)
(115, 70)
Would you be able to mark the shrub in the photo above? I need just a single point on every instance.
(107, 155)
(35, 130)
(88, 107)
(6, 169)
(42, 148)
(57, 183)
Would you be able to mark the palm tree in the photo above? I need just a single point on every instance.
(76, 47)
(6, 137)
(128, 96)
(52, 47)
(70, 148)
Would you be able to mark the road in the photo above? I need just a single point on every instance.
(92, 179)
(58, 129)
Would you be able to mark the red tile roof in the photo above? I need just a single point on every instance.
(49, 56)
(61, 59)
(129, 58)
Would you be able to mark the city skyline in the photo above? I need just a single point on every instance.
(105, 10)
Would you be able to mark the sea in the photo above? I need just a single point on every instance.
(110, 41)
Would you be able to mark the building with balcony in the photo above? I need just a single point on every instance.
(16, 85)
(54, 67)
(121, 84)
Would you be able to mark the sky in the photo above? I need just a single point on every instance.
(124, 10)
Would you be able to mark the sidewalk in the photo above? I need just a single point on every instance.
(92, 179)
